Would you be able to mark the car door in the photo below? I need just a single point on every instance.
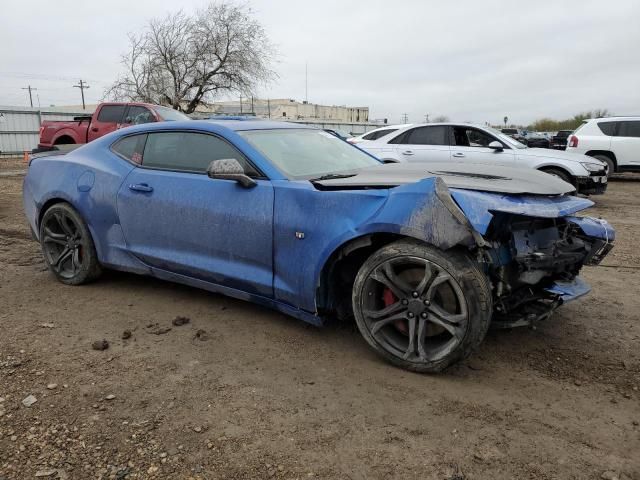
(472, 144)
(108, 118)
(423, 144)
(177, 219)
(626, 143)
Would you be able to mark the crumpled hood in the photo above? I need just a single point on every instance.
(469, 176)
(558, 154)
(480, 207)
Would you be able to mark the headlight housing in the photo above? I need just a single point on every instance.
(593, 167)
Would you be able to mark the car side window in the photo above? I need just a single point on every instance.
(137, 115)
(370, 136)
(629, 129)
(111, 113)
(189, 152)
(470, 137)
(436, 135)
(130, 148)
(608, 128)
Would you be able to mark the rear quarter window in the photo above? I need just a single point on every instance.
(608, 128)
(130, 148)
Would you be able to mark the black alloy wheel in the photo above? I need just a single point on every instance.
(419, 308)
(67, 245)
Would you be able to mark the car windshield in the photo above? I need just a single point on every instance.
(506, 138)
(308, 153)
(169, 114)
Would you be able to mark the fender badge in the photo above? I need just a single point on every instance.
(300, 235)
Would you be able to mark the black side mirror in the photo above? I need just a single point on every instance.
(230, 169)
(495, 145)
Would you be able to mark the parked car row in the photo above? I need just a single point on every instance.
(468, 143)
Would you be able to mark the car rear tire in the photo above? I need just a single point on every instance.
(67, 246)
(561, 174)
(420, 308)
(611, 166)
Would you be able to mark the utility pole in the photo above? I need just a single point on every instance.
(269, 107)
(405, 118)
(240, 104)
(306, 82)
(252, 110)
(82, 86)
(426, 118)
(31, 89)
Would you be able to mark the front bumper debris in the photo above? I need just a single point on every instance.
(537, 270)
(569, 291)
(594, 184)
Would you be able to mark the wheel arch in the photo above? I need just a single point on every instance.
(547, 168)
(48, 204)
(65, 137)
(338, 273)
(606, 153)
(340, 268)
(62, 199)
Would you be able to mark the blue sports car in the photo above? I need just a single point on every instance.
(423, 257)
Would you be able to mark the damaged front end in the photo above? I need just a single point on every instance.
(534, 249)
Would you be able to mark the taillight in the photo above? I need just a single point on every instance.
(573, 141)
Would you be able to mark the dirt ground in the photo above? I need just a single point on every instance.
(244, 392)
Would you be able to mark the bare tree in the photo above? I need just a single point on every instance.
(186, 61)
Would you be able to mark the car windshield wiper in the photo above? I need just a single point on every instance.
(332, 176)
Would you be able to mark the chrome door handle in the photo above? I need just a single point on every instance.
(458, 155)
(140, 187)
(407, 152)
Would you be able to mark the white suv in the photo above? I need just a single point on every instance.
(614, 140)
(460, 142)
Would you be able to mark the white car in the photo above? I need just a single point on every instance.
(443, 142)
(614, 140)
(377, 133)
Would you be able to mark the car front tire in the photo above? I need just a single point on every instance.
(420, 308)
(611, 166)
(67, 246)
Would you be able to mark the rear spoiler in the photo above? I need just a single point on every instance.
(54, 151)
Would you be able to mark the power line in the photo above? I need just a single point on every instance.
(30, 96)
(53, 78)
(82, 86)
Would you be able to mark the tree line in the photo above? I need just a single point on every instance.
(551, 125)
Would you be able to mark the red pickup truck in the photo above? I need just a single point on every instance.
(107, 118)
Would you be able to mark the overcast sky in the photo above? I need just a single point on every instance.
(470, 60)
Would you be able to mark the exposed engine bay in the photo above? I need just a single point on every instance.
(533, 264)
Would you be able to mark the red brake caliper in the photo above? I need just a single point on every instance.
(389, 299)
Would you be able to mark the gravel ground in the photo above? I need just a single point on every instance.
(243, 392)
